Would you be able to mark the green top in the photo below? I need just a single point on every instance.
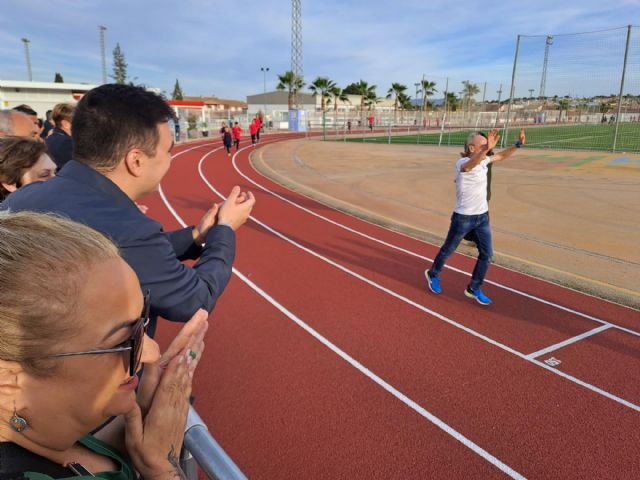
(95, 445)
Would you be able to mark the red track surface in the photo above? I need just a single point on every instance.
(406, 384)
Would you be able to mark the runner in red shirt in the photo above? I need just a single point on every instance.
(258, 122)
(236, 131)
(253, 128)
(370, 119)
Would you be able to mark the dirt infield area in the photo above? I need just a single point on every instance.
(570, 217)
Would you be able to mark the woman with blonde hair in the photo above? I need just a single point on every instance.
(72, 342)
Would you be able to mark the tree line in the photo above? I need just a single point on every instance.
(331, 94)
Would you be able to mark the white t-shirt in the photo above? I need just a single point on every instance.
(471, 188)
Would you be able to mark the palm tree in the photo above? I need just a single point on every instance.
(427, 89)
(404, 101)
(396, 90)
(563, 104)
(337, 95)
(451, 102)
(292, 83)
(371, 99)
(322, 86)
(365, 91)
(468, 91)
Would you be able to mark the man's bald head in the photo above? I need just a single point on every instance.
(17, 124)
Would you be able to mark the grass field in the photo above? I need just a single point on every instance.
(573, 137)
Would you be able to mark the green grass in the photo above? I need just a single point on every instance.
(570, 137)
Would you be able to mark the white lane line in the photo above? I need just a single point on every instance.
(427, 259)
(568, 341)
(368, 373)
(433, 313)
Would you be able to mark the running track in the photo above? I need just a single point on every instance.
(328, 358)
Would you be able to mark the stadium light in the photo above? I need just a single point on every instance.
(27, 55)
(102, 29)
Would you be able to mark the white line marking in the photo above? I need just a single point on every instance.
(409, 252)
(368, 373)
(568, 341)
(433, 313)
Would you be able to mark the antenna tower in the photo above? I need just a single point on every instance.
(104, 61)
(543, 80)
(296, 42)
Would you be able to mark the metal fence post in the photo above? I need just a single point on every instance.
(513, 87)
(624, 71)
(444, 117)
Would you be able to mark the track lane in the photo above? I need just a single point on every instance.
(266, 251)
(419, 443)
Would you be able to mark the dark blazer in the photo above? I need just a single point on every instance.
(60, 147)
(177, 291)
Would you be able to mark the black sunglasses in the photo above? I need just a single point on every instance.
(133, 344)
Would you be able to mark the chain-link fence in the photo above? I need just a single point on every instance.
(580, 91)
(575, 91)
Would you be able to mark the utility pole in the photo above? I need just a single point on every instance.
(264, 71)
(102, 29)
(26, 42)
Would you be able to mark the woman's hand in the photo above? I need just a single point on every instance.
(154, 443)
(191, 337)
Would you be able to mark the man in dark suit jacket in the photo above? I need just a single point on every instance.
(59, 142)
(122, 149)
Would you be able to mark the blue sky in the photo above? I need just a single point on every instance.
(217, 48)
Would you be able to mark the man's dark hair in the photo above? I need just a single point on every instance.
(25, 109)
(112, 119)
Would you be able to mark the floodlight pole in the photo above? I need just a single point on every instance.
(513, 87)
(499, 92)
(264, 71)
(484, 96)
(296, 44)
(27, 55)
(624, 71)
(417, 84)
(102, 29)
(444, 117)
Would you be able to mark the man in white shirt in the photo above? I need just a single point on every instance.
(472, 211)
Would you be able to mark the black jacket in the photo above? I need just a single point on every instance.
(60, 147)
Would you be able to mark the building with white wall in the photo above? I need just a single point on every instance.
(41, 96)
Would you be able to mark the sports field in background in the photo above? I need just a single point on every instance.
(574, 137)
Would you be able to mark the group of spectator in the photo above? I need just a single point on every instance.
(32, 149)
(84, 273)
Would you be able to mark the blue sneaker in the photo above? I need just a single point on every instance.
(480, 297)
(433, 282)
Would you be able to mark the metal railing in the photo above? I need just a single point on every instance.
(201, 450)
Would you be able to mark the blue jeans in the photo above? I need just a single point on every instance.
(460, 226)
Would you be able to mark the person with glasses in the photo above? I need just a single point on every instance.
(471, 214)
(72, 341)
